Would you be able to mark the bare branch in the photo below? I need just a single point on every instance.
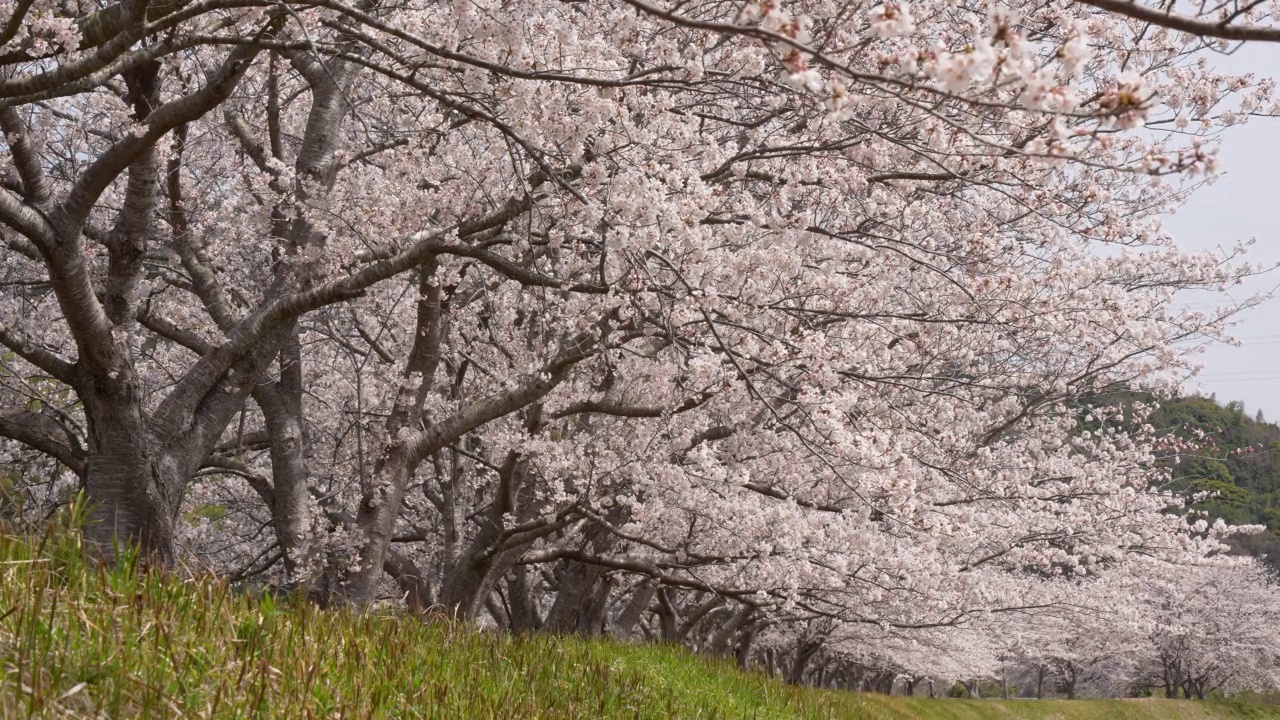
(36, 355)
(35, 186)
(1184, 23)
(43, 433)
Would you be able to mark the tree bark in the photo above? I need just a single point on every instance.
(281, 404)
(577, 581)
(805, 649)
(743, 652)
(624, 625)
(132, 489)
(524, 616)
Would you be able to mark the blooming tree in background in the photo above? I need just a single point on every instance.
(1213, 630)
(765, 328)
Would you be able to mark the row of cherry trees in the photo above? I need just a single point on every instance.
(761, 328)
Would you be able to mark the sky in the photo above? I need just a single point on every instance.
(1243, 202)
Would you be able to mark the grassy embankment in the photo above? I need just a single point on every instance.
(81, 641)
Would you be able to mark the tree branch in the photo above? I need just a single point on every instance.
(1186, 24)
(36, 355)
(35, 187)
(103, 171)
(41, 432)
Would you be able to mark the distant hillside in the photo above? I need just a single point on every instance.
(1239, 460)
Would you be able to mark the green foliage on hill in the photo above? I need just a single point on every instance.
(79, 641)
(1239, 463)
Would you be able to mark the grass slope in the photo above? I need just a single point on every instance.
(82, 641)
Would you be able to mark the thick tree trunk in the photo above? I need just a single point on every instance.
(134, 490)
(804, 652)
(668, 618)
(375, 521)
(524, 615)
(577, 580)
(594, 619)
(128, 498)
(464, 589)
(724, 639)
(137, 466)
(133, 493)
(624, 626)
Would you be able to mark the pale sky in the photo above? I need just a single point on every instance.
(1243, 202)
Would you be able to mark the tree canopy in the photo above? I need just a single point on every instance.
(721, 323)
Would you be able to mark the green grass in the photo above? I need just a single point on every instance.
(79, 640)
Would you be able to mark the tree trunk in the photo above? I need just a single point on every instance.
(577, 580)
(524, 616)
(1172, 679)
(597, 616)
(412, 581)
(281, 405)
(743, 651)
(668, 620)
(641, 598)
(470, 574)
(805, 650)
(467, 584)
(138, 467)
(375, 521)
(133, 494)
(723, 640)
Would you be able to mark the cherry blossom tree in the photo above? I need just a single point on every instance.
(1213, 629)
(763, 328)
